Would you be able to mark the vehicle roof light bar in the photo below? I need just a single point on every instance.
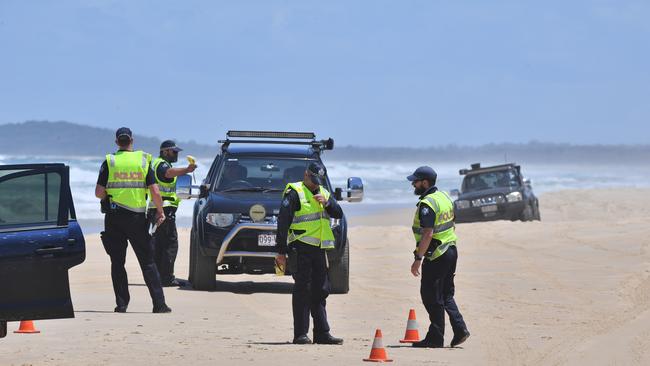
(318, 146)
(272, 135)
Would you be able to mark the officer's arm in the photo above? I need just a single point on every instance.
(102, 181)
(176, 172)
(150, 180)
(333, 208)
(100, 192)
(288, 208)
(423, 245)
(427, 221)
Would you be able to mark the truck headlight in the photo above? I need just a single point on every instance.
(220, 219)
(514, 197)
(462, 204)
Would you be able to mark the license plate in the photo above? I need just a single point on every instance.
(491, 208)
(266, 240)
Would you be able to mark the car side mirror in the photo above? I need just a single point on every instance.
(184, 188)
(528, 182)
(354, 191)
(454, 193)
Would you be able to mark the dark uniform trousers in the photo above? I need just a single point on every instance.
(310, 290)
(120, 227)
(437, 291)
(166, 245)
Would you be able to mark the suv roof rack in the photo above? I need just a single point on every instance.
(476, 167)
(309, 139)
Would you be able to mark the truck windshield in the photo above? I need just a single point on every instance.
(488, 180)
(259, 174)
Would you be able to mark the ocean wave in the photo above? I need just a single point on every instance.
(385, 183)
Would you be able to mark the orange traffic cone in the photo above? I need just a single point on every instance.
(412, 335)
(378, 353)
(27, 327)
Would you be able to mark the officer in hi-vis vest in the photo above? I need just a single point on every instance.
(166, 236)
(124, 180)
(435, 252)
(304, 223)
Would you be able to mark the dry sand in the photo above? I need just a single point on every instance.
(572, 289)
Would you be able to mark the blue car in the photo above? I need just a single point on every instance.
(40, 240)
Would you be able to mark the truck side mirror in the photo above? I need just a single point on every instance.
(184, 188)
(454, 193)
(355, 189)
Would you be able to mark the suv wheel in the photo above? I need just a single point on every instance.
(538, 216)
(527, 213)
(339, 272)
(202, 269)
(3, 328)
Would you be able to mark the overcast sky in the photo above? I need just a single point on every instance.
(395, 73)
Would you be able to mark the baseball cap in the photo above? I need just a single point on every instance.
(170, 145)
(123, 131)
(317, 173)
(423, 172)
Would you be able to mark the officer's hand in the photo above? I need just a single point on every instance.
(281, 260)
(190, 168)
(160, 218)
(320, 198)
(415, 268)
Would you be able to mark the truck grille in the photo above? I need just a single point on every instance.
(489, 200)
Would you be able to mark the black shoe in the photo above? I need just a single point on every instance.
(460, 338)
(425, 343)
(120, 309)
(302, 339)
(172, 283)
(160, 309)
(326, 338)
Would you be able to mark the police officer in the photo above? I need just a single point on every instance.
(124, 179)
(435, 237)
(166, 236)
(304, 222)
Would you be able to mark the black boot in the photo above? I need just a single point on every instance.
(120, 309)
(326, 338)
(427, 343)
(302, 339)
(160, 309)
(460, 337)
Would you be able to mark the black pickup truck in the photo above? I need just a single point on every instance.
(235, 214)
(497, 192)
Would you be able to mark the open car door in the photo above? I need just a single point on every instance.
(40, 240)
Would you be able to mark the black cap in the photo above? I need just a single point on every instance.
(317, 173)
(123, 131)
(170, 145)
(422, 173)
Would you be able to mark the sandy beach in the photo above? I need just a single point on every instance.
(571, 289)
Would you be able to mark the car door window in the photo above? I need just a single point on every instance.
(28, 198)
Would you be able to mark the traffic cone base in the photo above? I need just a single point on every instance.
(378, 353)
(27, 327)
(411, 335)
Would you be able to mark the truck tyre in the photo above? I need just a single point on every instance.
(339, 272)
(538, 216)
(202, 268)
(3, 328)
(527, 213)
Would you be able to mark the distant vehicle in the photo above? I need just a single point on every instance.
(40, 240)
(235, 217)
(495, 193)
